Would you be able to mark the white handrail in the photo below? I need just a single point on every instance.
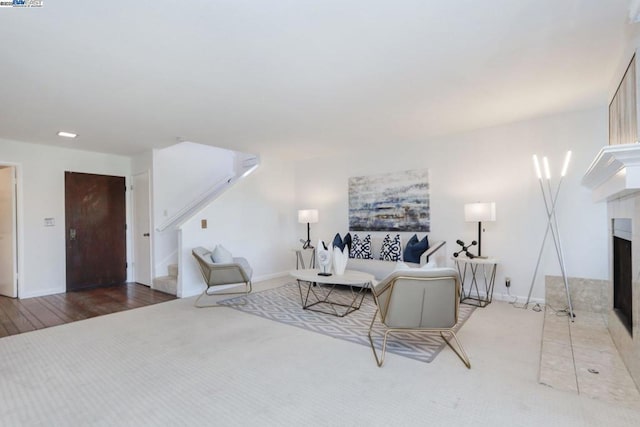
(198, 203)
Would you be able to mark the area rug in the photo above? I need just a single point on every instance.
(283, 305)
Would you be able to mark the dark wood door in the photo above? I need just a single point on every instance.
(95, 224)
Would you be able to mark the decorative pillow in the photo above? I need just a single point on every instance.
(361, 247)
(415, 249)
(391, 248)
(221, 256)
(339, 242)
(347, 241)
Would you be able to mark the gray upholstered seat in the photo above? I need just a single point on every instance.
(418, 300)
(219, 274)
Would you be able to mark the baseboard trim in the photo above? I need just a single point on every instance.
(41, 293)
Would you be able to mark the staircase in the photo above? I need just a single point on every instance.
(168, 284)
(212, 171)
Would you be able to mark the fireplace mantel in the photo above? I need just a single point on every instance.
(614, 173)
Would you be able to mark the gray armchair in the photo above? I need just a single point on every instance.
(217, 274)
(418, 300)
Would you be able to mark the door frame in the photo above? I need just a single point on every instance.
(135, 225)
(19, 251)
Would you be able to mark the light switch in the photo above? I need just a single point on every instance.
(203, 223)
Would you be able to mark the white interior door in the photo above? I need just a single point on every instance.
(8, 283)
(141, 229)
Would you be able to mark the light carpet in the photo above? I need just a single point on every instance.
(284, 305)
(171, 364)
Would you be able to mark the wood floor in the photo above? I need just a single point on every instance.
(24, 315)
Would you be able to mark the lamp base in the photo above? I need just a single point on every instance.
(306, 244)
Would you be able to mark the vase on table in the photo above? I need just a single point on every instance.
(340, 259)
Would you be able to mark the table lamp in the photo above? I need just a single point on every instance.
(478, 212)
(310, 216)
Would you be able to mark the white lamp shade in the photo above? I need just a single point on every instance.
(308, 216)
(480, 212)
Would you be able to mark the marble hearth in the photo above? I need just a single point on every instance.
(614, 178)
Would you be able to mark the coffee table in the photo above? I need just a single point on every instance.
(319, 293)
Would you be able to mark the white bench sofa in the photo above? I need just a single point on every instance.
(435, 256)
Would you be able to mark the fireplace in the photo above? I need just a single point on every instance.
(614, 177)
(622, 272)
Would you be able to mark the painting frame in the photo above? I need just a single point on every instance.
(395, 201)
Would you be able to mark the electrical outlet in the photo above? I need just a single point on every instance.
(507, 281)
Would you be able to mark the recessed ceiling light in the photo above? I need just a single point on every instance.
(67, 134)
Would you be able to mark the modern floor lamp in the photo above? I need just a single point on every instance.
(550, 200)
(310, 216)
(479, 212)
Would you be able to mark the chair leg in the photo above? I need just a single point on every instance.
(195, 304)
(248, 288)
(379, 360)
(461, 354)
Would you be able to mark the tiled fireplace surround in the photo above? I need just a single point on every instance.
(628, 346)
(614, 177)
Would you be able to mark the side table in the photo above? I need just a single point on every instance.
(487, 279)
(300, 258)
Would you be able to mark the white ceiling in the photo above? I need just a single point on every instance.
(295, 75)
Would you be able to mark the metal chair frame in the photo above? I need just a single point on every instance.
(207, 269)
(389, 288)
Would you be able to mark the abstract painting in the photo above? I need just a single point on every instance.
(396, 201)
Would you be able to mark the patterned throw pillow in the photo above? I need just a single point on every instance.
(361, 248)
(391, 249)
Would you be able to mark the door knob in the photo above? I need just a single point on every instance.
(72, 234)
(146, 234)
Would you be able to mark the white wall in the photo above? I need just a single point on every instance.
(41, 193)
(142, 162)
(181, 174)
(254, 219)
(493, 164)
(257, 218)
(184, 171)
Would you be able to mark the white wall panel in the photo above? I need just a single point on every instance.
(42, 189)
(493, 164)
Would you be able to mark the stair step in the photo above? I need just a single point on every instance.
(173, 270)
(166, 284)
